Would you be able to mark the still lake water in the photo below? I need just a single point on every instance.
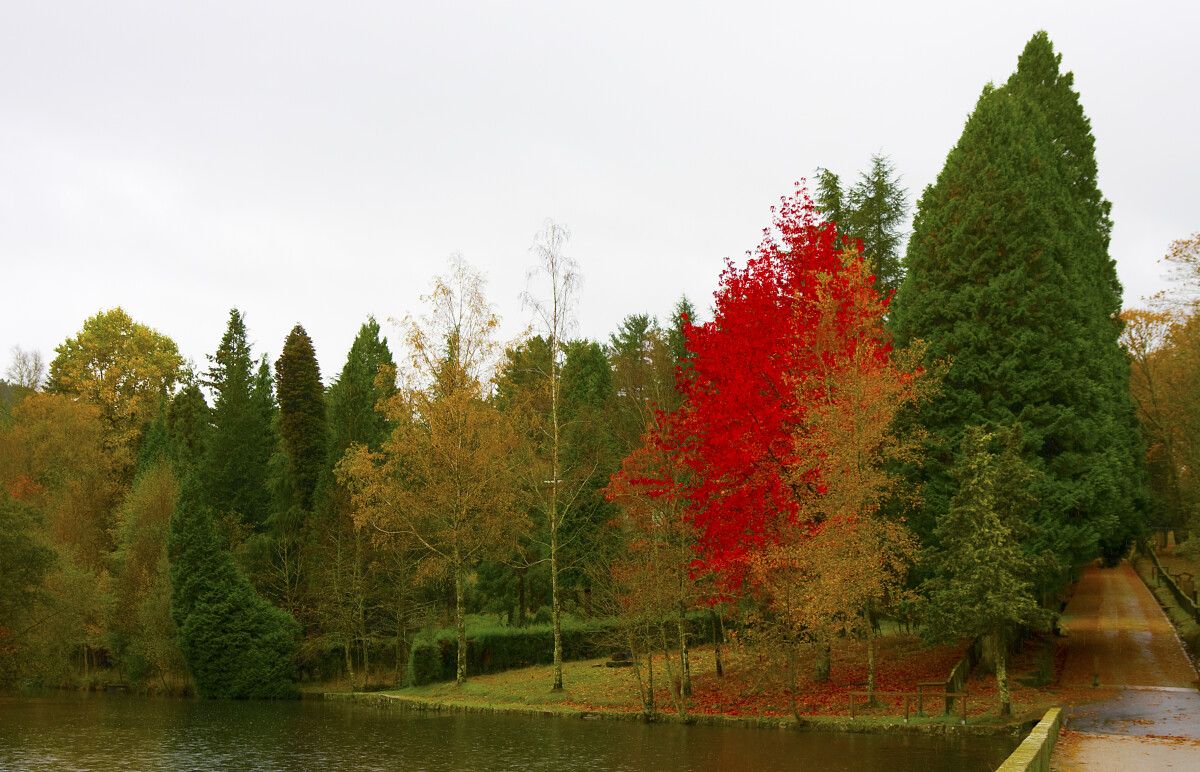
(63, 731)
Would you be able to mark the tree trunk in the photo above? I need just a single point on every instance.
(349, 663)
(718, 636)
(650, 707)
(685, 669)
(555, 610)
(676, 690)
(870, 666)
(1001, 651)
(793, 666)
(823, 666)
(366, 662)
(522, 604)
(460, 675)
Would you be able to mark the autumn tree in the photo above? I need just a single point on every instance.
(143, 633)
(125, 369)
(1163, 345)
(830, 572)
(652, 581)
(446, 477)
(56, 462)
(349, 581)
(984, 575)
(742, 406)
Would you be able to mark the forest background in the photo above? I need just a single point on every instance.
(238, 526)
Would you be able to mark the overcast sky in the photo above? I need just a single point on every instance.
(317, 163)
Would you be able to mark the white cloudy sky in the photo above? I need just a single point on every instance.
(316, 163)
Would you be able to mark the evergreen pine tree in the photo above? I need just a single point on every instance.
(997, 282)
(684, 313)
(187, 428)
(875, 210)
(302, 429)
(357, 390)
(983, 581)
(240, 444)
(830, 200)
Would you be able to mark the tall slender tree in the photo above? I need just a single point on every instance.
(555, 315)
(302, 427)
(242, 439)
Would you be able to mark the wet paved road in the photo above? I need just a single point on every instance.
(1151, 716)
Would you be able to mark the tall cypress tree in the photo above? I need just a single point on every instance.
(242, 438)
(998, 283)
(302, 429)
(1121, 478)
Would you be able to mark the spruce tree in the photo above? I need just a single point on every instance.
(302, 429)
(875, 210)
(683, 314)
(831, 200)
(998, 282)
(236, 645)
(242, 439)
(358, 389)
(188, 419)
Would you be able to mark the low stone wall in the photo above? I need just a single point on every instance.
(1033, 754)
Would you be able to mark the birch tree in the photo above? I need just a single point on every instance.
(446, 476)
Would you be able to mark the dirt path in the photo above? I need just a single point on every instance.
(1117, 633)
(1116, 630)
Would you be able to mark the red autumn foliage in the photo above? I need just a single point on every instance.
(755, 370)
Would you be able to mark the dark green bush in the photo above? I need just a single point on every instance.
(495, 649)
(236, 644)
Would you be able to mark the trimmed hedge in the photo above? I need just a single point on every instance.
(495, 649)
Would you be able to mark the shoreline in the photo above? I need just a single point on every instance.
(842, 724)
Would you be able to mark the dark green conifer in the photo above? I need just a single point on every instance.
(242, 439)
(876, 208)
(358, 389)
(302, 429)
(1001, 279)
(236, 644)
(188, 427)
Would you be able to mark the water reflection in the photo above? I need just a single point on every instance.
(66, 731)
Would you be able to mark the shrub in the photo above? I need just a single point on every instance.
(495, 649)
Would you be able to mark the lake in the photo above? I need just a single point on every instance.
(67, 731)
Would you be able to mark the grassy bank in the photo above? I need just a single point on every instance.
(749, 694)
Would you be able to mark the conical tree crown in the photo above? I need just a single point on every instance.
(302, 426)
(1008, 278)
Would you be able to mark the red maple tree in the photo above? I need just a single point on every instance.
(755, 370)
